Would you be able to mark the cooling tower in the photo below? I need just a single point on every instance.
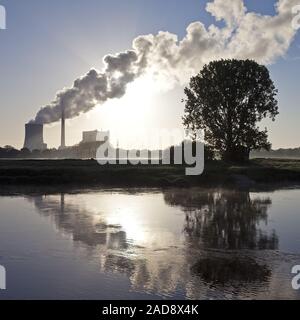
(34, 139)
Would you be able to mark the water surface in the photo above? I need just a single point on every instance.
(150, 244)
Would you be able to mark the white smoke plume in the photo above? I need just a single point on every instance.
(246, 35)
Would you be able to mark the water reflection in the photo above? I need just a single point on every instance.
(224, 219)
(234, 270)
(84, 225)
(156, 264)
(186, 241)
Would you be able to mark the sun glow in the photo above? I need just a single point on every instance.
(146, 108)
(129, 114)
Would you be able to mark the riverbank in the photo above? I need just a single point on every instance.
(88, 173)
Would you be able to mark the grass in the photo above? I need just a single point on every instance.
(89, 173)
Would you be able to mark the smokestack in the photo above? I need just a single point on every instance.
(63, 130)
(34, 137)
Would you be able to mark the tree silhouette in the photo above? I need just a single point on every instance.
(227, 99)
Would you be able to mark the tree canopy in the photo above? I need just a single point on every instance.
(228, 98)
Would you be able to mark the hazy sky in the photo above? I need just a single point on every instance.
(48, 44)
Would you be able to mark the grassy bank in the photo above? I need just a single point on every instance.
(89, 173)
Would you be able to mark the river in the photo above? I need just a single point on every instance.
(150, 244)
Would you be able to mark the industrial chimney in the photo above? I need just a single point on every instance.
(63, 130)
(34, 137)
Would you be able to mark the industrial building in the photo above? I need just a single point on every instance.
(91, 141)
(95, 136)
(34, 137)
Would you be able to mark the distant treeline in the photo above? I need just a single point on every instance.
(89, 150)
(292, 153)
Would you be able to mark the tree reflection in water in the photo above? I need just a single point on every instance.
(233, 270)
(224, 219)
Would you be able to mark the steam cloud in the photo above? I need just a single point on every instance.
(244, 35)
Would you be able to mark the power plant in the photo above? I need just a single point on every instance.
(91, 140)
(34, 137)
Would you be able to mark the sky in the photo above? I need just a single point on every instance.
(49, 44)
